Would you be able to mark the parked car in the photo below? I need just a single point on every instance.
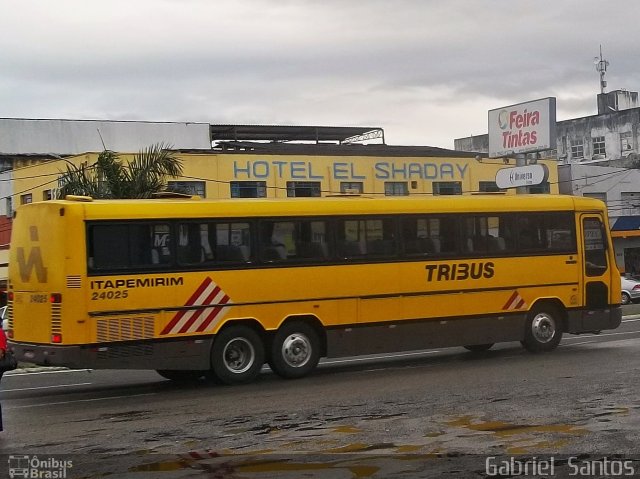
(3, 314)
(630, 290)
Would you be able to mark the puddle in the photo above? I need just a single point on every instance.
(126, 416)
(503, 429)
(347, 429)
(609, 411)
(360, 447)
(277, 467)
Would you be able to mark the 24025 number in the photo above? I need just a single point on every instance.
(95, 296)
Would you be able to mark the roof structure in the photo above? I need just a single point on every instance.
(68, 137)
(333, 149)
(284, 133)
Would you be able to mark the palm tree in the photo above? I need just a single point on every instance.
(108, 177)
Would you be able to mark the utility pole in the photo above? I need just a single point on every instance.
(521, 160)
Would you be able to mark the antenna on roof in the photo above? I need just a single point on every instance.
(601, 67)
(104, 147)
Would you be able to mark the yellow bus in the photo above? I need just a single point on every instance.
(218, 288)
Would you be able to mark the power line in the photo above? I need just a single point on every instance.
(603, 176)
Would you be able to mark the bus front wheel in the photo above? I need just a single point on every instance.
(295, 350)
(237, 355)
(544, 329)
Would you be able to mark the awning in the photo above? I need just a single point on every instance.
(626, 223)
(626, 227)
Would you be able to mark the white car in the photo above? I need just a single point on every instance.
(630, 290)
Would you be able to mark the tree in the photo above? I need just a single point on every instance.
(108, 177)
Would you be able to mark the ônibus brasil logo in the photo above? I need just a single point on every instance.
(35, 467)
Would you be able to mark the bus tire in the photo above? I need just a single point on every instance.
(295, 350)
(237, 355)
(544, 329)
(180, 375)
(478, 348)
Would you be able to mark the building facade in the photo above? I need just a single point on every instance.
(281, 171)
(599, 156)
(611, 136)
(239, 161)
(619, 188)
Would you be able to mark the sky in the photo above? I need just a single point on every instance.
(425, 71)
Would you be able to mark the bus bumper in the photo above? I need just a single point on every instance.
(45, 355)
(589, 321)
(175, 354)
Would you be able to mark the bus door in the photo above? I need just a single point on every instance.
(596, 267)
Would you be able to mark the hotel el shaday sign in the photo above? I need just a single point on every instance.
(522, 128)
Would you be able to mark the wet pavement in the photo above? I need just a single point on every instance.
(440, 416)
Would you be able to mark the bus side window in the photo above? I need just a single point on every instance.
(527, 233)
(595, 254)
(351, 239)
(142, 246)
(231, 253)
(189, 247)
(108, 246)
(496, 243)
(421, 236)
(160, 244)
(311, 240)
(277, 240)
(232, 242)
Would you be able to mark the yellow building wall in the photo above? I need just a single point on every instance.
(218, 170)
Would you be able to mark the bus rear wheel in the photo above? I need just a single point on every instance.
(544, 329)
(237, 355)
(295, 350)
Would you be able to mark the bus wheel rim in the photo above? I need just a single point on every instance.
(543, 328)
(238, 355)
(296, 350)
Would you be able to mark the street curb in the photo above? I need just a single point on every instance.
(36, 369)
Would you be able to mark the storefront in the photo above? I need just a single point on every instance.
(625, 232)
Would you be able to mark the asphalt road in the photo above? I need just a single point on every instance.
(420, 414)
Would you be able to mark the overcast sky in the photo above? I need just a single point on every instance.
(426, 71)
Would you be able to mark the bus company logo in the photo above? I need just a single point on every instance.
(515, 302)
(199, 318)
(35, 467)
(26, 265)
(503, 119)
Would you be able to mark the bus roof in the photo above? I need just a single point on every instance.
(252, 207)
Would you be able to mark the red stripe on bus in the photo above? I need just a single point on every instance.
(510, 300)
(189, 302)
(197, 314)
(205, 324)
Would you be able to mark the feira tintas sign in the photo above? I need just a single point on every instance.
(522, 128)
